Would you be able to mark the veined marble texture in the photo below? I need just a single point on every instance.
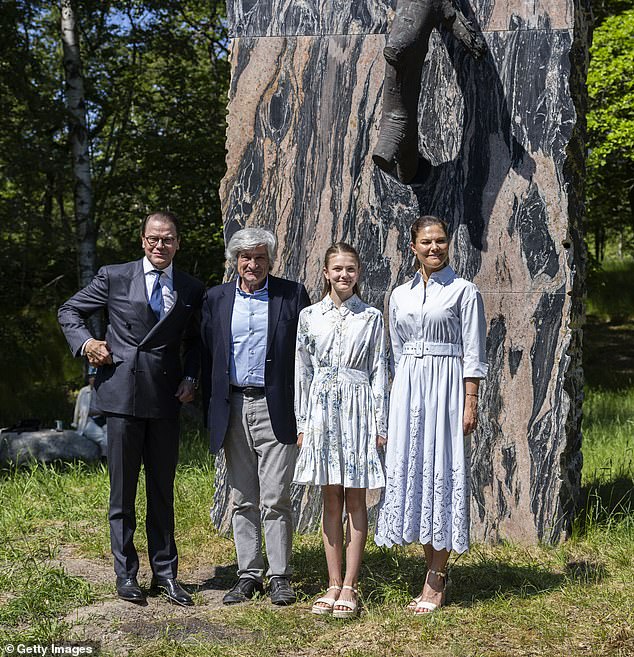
(259, 18)
(504, 136)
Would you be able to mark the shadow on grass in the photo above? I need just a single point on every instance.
(392, 576)
(613, 343)
(604, 503)
(224, 578)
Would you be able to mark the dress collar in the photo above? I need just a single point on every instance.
(442, 276)
(353, 304)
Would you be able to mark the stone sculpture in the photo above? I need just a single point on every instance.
(407, 45)
(504, 138)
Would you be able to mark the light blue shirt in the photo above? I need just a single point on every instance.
(249, 331)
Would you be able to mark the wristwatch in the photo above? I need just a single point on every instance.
(192, 380)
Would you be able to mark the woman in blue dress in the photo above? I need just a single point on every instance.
(438, 335)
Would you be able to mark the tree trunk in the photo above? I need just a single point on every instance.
(79, 143)
(85, 232)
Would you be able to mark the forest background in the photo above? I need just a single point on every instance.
(154, 78)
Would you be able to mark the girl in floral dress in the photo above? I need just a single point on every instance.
(341, 400)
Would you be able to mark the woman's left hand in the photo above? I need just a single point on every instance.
(381, 441)
(470, 417)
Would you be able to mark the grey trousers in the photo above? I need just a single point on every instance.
(260, 471)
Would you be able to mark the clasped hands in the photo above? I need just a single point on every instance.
(98, 352)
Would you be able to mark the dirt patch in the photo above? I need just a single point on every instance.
(183, 629)
(120, 626)
(94, 571)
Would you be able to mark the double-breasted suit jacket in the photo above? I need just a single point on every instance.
(147, 362)
(286, 300)
(137, 393)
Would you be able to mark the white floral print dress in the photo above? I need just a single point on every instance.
(341, 394)
(438, 335)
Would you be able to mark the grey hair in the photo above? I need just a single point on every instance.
(249, 238)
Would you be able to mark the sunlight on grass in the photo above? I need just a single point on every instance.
(503, 600)
(608, 435)
(610, 291)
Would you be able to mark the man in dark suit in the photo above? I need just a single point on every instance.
(248, 329)
(153, 312)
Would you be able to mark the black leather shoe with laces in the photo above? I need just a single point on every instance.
(281, 591)
(244, 589)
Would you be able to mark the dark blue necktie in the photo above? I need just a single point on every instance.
(156, 298)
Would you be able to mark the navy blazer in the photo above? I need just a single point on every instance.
(286, 300)
(146, 354)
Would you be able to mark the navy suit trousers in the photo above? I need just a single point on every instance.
(153, 442)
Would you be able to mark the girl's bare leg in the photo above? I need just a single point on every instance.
(332, 535)
(356, 535)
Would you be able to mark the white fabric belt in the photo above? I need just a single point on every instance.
(341, 374)
(418, 349)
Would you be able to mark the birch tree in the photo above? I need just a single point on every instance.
(80, 146)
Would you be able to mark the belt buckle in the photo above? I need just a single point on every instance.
(414, 348)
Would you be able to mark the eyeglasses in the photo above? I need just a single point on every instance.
(152, 240)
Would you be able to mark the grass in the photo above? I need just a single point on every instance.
(505, 599)
(575, 599)
(610, 291)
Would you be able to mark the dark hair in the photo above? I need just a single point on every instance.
(162, 215)
(336, 249)
(427, 220)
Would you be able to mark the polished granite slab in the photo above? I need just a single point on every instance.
(503, 137)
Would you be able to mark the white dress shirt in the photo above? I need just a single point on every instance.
(167, 284)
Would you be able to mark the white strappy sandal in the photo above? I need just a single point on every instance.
(325, 600)
(351, 607)
(422, 606)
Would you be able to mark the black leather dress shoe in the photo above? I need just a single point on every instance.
(128, 589)
(244, 589)
(281, 591)
(172, 590)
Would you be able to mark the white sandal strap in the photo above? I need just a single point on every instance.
(438, 573)
(327, 600)
(423, 604)
(350, 588)
(348, 604)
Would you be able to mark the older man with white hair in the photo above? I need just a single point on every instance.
(248, 329)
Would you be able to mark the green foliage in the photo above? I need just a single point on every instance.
(37, 367)
(156, 77)
(611, 292)
(611, 128)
